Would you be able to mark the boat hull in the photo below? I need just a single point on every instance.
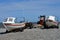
(51, 23)
(13, 26)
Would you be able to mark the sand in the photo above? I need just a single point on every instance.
(32, 34)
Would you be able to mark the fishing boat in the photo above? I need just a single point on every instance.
(10, 24)
(52, 22)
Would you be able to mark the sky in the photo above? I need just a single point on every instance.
(30, 9)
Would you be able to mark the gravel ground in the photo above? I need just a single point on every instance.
(32, 34)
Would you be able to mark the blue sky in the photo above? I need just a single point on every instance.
(30, 9)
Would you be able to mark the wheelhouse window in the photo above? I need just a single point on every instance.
(10, 19)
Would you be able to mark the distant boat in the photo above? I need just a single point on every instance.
(10, 24)
(52, 22)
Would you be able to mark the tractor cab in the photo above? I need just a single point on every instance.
(41, 20)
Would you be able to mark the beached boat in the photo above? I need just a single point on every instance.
(52, 22)
(10, 24)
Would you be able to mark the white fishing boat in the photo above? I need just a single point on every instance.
(10, 24)
(52, 22)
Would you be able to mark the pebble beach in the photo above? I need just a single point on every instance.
(32, 34)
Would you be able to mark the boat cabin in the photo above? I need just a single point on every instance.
(51, 18)
(10, 20)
